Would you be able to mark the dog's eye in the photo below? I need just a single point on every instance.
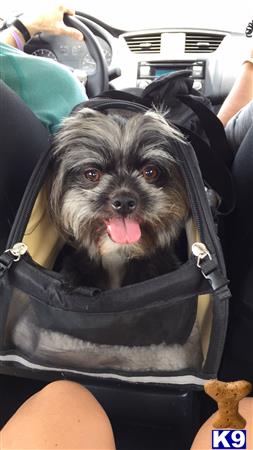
(93, 175)
(150, 173)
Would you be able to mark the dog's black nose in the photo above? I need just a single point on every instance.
(124, 204)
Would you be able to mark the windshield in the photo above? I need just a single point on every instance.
(142, 14)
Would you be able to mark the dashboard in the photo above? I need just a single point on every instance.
(68, 51)
(136, 58)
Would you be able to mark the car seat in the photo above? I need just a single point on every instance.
(238, 357)
(23, 139)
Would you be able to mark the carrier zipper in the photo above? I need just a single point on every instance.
(206, 262)
(18, 250)
(198, 212)
(12, 255)
(200, 251)
(195, 202)
(209, 267)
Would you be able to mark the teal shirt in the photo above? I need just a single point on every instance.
(49, 89)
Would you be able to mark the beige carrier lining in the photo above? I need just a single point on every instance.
(44, 244)
(205, 310)
(41, 237)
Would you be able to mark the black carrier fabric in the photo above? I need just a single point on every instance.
(167, 330)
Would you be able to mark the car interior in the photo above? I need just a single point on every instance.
(135, 58)
(146, 417)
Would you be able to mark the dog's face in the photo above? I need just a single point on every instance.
(116, 186)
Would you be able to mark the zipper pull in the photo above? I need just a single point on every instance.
(12, 255)
(18, 250)
(210, 268)
(200, 251)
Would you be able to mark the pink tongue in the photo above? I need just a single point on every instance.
(123, 231)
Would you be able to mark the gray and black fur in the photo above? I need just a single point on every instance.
(119, 150)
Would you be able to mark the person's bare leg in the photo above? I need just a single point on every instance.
(63, 415)
(240, 94)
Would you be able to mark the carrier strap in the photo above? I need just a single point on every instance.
(106, 103)
(215, 173)
(212, 126)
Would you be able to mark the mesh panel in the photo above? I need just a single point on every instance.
(60, 337)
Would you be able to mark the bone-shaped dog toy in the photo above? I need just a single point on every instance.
(227, 396)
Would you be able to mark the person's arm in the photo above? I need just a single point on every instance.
(240, 94)
(7, 36)
(47, 18)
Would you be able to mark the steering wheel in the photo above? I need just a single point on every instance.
(97, 82)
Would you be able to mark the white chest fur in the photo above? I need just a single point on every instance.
(114, 264)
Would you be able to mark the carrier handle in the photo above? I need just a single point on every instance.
(28, 200)
(215, 173)
(212, 126)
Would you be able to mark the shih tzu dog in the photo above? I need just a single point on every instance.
(118, 197)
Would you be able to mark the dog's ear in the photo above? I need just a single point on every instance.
(156, 115)
(86, 112)
(165, 127)
(71, 125)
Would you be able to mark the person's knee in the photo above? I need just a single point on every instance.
(81, 406)
(72, 396)
(60, 387)
(53, 411)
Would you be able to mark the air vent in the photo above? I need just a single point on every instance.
(202, 42)
(144, 43)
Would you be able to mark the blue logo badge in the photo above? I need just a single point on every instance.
(228, 439)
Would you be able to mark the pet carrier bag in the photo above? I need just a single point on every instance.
(169, 330)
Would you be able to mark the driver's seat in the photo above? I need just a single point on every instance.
(23, 139)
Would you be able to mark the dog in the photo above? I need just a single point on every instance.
(118, 197)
